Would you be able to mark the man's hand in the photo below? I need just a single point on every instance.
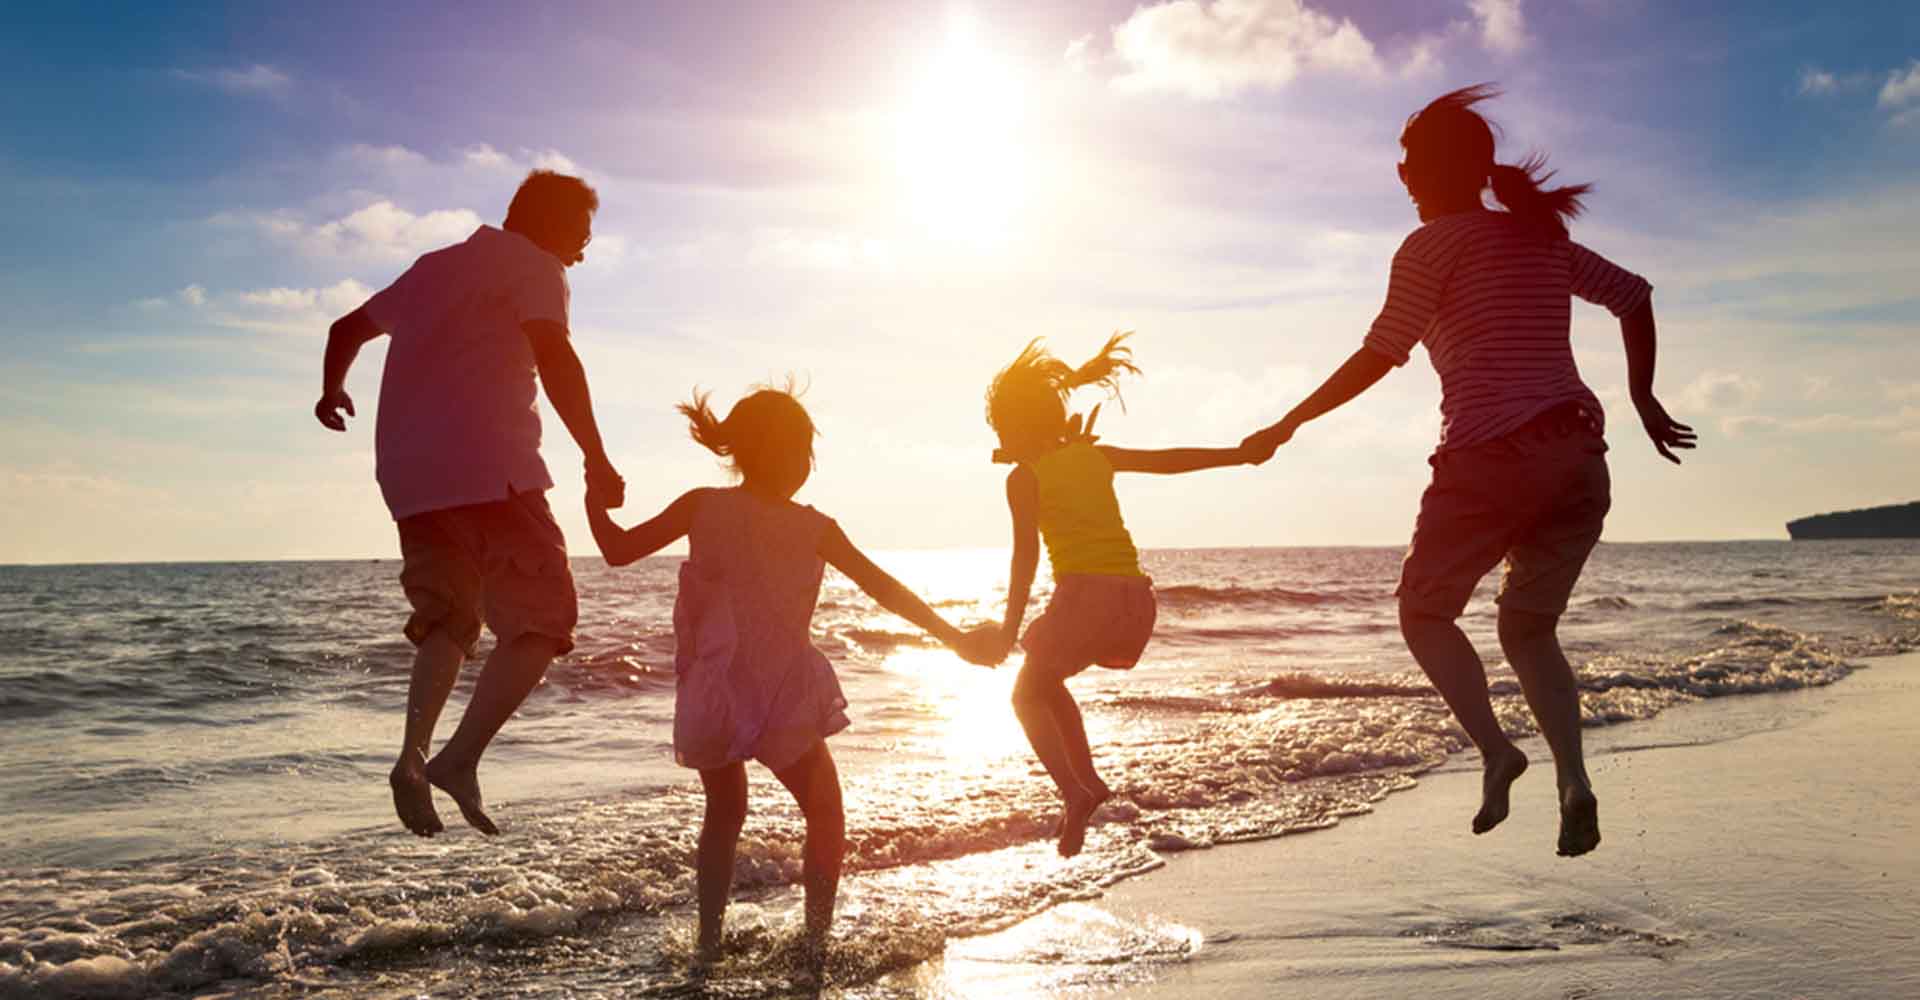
(605, 488)
(327, 410)
(1666, 432)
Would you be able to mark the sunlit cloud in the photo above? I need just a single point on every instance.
(1716, 390)
(378, 232)
(1503, 28)
(1218, 48)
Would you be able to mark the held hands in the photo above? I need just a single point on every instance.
(1666, 432)
(1259, 446)
(327, 410)
(605, 488)
(983, 645)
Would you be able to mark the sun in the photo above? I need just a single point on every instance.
(959, 135)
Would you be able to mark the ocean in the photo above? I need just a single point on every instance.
(193, 761)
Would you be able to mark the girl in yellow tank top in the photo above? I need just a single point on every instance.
(1102, 609)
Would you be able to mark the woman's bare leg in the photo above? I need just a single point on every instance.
(1532, 646)
(1448, 658)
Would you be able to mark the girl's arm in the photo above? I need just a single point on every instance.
(1355, 376)
(880, 585)
(1170, 461)
(1023, 502)
(1636, 328)
(621, 546)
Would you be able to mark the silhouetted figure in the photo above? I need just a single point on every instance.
(749, 684)
(1103, 608)
(1519, 473)
(458, 459)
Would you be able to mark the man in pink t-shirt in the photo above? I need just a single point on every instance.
(457, 456)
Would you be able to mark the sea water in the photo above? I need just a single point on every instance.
(193, 759)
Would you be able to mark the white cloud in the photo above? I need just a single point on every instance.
(553, 159)
(1902, 87)
(383, 156)
(193, 295)
(256, 79)
(485, 157)
(1502, 26)
(1079, 56)
(1718, 391)
(1219, 48)
(380, 232)
(1818, 81)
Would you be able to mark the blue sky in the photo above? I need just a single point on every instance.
(888, 199)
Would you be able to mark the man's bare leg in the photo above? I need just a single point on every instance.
(1533, 649)
(1447, 656)
(436, 663)
(512, 671)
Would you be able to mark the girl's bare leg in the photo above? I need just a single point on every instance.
(1054, 726)
(814, 781)
(1447, 656)
(726, 789)
(1533, 649)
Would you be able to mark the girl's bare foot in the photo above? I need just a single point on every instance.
(1500, 772)
(412, 798)
(462, 784)
(1579, 822)
(1079, 812)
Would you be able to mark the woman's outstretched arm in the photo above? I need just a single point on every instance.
(1636, 329)
(1358, 374)
(620, 546)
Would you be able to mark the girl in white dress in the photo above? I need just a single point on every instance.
(749, 683)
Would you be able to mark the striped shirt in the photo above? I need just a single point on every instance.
(1490, 299)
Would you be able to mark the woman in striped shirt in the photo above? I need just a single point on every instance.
(1520, 473)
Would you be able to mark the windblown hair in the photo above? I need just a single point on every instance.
(768, 423)
(1450, 145)
(1030, 395)
(546, 198)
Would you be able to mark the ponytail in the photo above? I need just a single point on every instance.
(1105, 368)
(706, 429)
(1521, 188)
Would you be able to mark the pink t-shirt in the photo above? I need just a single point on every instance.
(1491, 300)
(459, 414)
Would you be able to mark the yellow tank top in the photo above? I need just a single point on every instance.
(1080, 516)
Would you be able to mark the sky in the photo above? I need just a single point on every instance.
(887, 200)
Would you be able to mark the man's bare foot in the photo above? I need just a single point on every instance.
(1498, 776)
(1079, 811)
(463, 786)
(1579, 822)
(412, 799)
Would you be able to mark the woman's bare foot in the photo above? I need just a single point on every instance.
(462, 784)
(1079, 812)
(1579, 822)
(412, 798)
(1498, 775)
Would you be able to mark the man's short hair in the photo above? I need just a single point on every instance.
(546, 197)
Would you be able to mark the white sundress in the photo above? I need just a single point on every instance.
(749, 685)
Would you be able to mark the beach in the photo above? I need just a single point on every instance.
(1758, 847)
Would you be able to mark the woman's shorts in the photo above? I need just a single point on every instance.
(1093, 620)
(1536, 498)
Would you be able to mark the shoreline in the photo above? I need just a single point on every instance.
(1748, 853)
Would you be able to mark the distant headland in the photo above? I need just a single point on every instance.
(1895, 521)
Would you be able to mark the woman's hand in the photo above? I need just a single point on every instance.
(1666, 432)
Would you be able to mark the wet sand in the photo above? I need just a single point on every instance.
(1766, 845)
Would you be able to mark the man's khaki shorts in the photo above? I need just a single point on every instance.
(503, 562)
(1535, 497)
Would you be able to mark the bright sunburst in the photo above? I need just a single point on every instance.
(959, 149)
